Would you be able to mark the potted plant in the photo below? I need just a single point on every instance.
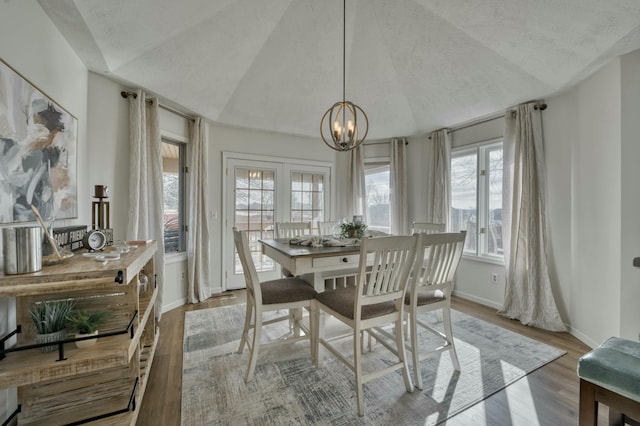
(86, 324)
(50, 321)
(352, 230)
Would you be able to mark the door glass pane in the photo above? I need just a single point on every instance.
(494, 240)
(254, 212)
(376, 178)
(306, 189)
(464, 202)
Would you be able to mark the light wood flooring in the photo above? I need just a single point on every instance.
(548, 396)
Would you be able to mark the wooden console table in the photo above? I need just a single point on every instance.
(102, 384)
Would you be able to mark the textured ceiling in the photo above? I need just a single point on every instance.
(412, 65)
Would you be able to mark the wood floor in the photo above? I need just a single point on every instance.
(548, 396)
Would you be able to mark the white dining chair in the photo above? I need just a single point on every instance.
(329, 227)
(427, 228)
(275, 295)
(375, 300)
(437, 259)
(291, 230)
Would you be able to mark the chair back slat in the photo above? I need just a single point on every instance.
(428, 228)
(386, 277)
(292, 229)
(250, 274)
(437, 259)
(328, 228)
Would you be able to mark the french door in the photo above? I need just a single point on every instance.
(260, 191)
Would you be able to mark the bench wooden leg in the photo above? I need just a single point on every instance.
(588, 404)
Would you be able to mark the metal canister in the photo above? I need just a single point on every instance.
(22, 249)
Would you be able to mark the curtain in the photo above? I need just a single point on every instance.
(198, 257)
(398, 182)
(528, 295)
(356, 194)
(439, 182)
(145, 184)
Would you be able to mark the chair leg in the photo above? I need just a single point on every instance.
(402, 354)
(296, 313)
(255, 348)
(314, 325)
(357, 363)
(588, 404)
(448, 331)
(415, 353)
(247, 325)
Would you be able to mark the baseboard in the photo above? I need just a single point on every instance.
(583, 337)
(476, 299)
(173, 305)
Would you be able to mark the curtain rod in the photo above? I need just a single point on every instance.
(540, 107)
(126, 94)
(406, 142)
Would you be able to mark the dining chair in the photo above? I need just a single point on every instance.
(328, 228)
(437, 259)
(291, 230)
(375, 300)
(280, 294)
(427, 228)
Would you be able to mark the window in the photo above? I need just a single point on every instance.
(173, 185)
(254, 212)
(376, 179)
(476, 198)
(307, 198)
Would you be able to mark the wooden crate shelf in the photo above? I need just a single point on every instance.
(94, 381)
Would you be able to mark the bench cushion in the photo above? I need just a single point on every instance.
(614, 365)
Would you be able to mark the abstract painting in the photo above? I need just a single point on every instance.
(38, 153)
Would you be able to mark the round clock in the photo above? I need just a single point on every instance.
(94, 240)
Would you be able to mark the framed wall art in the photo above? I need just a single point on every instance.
(38, 152)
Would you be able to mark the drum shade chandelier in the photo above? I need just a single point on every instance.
(344, 122)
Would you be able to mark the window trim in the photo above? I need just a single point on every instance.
(482, 149)
(183, 148)
(378, 162)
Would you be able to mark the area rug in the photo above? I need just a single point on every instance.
(288, 390)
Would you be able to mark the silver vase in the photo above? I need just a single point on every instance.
(50, 338)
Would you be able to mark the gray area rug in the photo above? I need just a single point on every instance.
(288, 390)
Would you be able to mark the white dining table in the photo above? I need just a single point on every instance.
(313, 264)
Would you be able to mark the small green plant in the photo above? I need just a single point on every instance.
(352, 230)
(50, 317)
(83, 322)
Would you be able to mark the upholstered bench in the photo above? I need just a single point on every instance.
(610, 374)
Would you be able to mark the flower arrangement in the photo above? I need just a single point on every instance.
(352, 230)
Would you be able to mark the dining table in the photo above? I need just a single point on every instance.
(314, 264)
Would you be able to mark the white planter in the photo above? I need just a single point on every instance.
(88, 342)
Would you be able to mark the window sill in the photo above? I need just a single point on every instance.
(484, 259)
(175, 257)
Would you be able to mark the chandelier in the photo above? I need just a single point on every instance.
(345, 125)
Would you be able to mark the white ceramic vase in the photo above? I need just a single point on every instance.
(88, 342)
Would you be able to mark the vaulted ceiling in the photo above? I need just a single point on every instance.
(412, 65)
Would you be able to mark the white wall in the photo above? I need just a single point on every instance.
(30, 44)
(630, 195)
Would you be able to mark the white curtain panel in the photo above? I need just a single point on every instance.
(356, 195)
(439, 188)
(528, 295)
(145, 182)
(398, 182)
(198, 256)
